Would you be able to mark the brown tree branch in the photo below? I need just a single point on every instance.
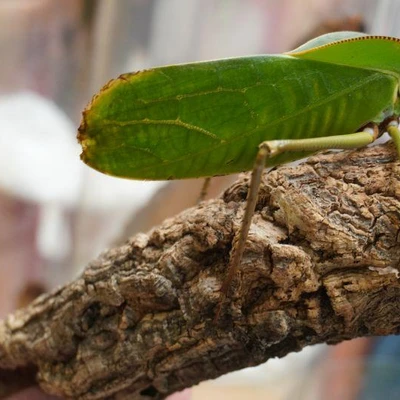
(321, 265)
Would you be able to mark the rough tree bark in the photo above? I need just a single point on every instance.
(321, 265)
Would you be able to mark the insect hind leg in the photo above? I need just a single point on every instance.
(239, 240)
(348, 141)
(271, 149)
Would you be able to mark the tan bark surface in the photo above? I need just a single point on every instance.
(321, 265)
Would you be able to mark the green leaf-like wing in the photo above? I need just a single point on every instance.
(208, 118)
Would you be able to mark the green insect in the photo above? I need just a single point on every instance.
(226, 116)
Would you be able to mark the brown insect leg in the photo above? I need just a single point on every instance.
(239, 240)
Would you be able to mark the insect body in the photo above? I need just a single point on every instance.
(232, 115)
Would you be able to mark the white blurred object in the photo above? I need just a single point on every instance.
(53, 236)
(39, 157)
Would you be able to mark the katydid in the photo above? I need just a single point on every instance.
(226, 116)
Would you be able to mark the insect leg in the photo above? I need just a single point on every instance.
(394, 132)
(204, 189)
(349, 141)
(270, 149)
(239, 240)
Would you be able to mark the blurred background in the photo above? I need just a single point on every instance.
(56, 214)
